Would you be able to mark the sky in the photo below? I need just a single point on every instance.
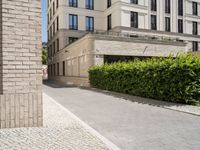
(44, 21)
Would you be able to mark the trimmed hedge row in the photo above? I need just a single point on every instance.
(167, 79)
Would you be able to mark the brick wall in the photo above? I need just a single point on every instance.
(20, 63)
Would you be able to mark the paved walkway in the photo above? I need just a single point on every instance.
(130, 125)
(61, 131)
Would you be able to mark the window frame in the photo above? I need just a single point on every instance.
(180, 28)
(153, 5)
(195, 8)
(109, 22)
(89, 28)
(134, 2)
(73, 3)
(167, 24)
(134, 19)
(153, 26)
(90, 4)
(195, 28)
(73, 26)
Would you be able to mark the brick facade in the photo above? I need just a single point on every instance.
(20, 63)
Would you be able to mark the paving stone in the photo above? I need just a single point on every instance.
(61, 131)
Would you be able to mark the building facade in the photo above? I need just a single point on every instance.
(174, 20)
(20, 64)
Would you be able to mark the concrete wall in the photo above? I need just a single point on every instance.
(78, 57)
(21, 94)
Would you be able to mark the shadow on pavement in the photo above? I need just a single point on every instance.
(54, 84)
(136, 99)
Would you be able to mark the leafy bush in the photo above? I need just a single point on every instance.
(167, 79)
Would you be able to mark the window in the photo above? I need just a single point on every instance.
(167, 24)
(50, 32)
(109, 22)
(194, 8)
(53, 8)
(51, 50)
(134, 19)
(57, 23)
(57, 3)
(63, 68)
(73, 22)
(89, 4)
(153, 5)
(72, 39)
(180, 26)
(54, 69)
(50, 14)
(73, 3)
(153, 22)
(89, 24)
(49, 68)
(180, 7)
(54, 30)
(109, 3)
(194, 46)
(167, 6)
(54, 47)
(58, 69)
(134, 1)
(195, 28)
(58, 46)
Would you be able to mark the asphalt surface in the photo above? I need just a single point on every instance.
(130, 125)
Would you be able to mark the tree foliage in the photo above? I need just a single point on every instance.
(44, 56)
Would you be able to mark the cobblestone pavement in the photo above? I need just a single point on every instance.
(140, 124)
(61, 131)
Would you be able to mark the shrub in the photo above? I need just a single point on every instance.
(167, 79)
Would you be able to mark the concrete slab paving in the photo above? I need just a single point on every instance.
(61, 131)
(130, 125)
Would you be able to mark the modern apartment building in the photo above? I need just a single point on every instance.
(118, 29)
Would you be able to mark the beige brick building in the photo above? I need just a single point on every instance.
(83, 33)
(20, 63)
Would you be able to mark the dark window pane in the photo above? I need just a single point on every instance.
(73, 3)
(180, 26)
(109, 22)
(89, 24)
(180, 7)
(153, 5)
(89, 4)
(63, 68)
(167, 24)
(134, 19)
(134, 1)
(195, 46)
(195, 28)
(72, 39)
(73, 22)
(153, 22)
(109, 2)
(167, 6)
(195, 8)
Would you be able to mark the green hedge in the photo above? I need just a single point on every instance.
(167, 79)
